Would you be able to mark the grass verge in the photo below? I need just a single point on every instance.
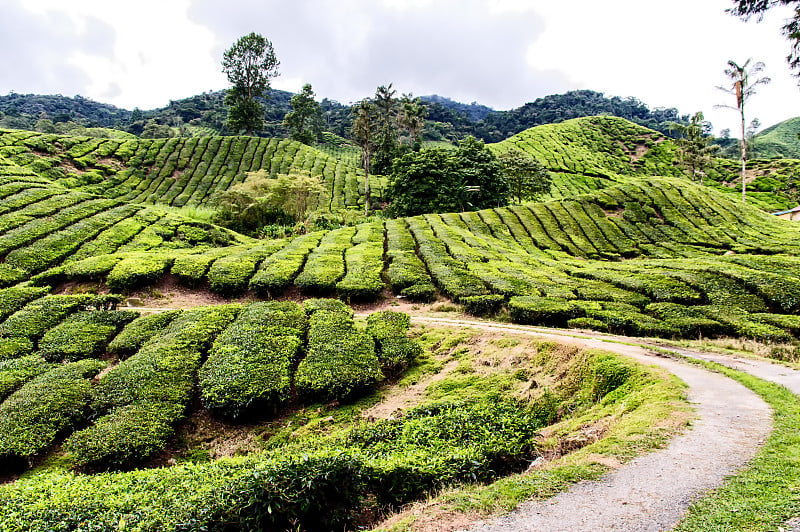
(766, 494)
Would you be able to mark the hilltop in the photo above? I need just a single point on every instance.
(779, 141)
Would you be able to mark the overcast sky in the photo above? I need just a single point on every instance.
(501, 53)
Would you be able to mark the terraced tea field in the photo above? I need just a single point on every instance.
(179, 171)
(623, 246)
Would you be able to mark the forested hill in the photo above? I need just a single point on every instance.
(779, 141)
(205, 114)
(499, 125)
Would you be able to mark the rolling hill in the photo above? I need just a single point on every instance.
(110, 414)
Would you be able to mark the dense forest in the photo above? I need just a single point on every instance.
(205, 114)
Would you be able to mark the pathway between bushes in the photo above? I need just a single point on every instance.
(654, 491)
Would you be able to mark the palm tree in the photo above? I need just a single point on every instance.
(743, 86)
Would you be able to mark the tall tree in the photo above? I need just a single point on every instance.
(695, 145)
(748, 9)
(303, 121)
(365, 129)
(386, 142)
(411, 118)
(743, 85)
(527, 178)
(249, 64)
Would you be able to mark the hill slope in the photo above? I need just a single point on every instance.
(779, 141)
(177, 171)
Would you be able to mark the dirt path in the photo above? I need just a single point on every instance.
(653, 491)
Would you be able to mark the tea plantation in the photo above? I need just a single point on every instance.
(92, 398)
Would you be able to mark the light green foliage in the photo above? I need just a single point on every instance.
(16, 372)
(395, 350)
(139, 331)
(250, 362)
(341, 360)
(83, 335)
(32, 416)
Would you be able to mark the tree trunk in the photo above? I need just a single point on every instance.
(366, 183)
(744, 156)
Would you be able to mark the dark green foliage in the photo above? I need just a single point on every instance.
(436, 180)
(230, 275)
(541, 310)
(151, 389)
(364, 265)
(406, 272)
(249, 364)
(33, 416)
(83, 335)
(164, 368)
(127, 435)
(10, 276)
(139, 331)
(341, 360)
(483, 305)
(325, 265)
(16, 372)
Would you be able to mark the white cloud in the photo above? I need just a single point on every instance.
(501, 53)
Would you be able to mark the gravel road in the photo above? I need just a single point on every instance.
(652, 492)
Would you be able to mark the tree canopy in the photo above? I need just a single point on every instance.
(527, 178)
(439, 180)
(249, 64)
(304, 120)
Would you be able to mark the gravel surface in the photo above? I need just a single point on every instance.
(652, 492)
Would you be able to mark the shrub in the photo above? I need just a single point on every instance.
(483, 305)
(542, 311)
(587, 323)
(341, 360)
(33, 416)
(10, 276)
(14, 373)
(394, 349)
(83, 335)
(15, 347)
(40, 315)
(325, 265)
(137, 270)
(247, 368)
(230, 275)
(278, 270)
(139, 331)
(686, 320)
(333, 305)
(128, 435)
(14, 298)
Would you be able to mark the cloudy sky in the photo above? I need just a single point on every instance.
(501, 53)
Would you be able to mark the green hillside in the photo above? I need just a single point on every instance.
(779, 141)
(177, 171)
(116, 419)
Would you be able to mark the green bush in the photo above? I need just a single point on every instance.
(128, 435)
(687, 320)
(278, 271)
(14, 298)
(139, 331)
(341, 360)
(587, 323)
(247, 368)
(16, 372)
(230, 275)
(542, 311)
(15, 347)
(137, 270)
(164, 369)
(33, 416)
(10, 276)
(483, 305)
(394, 349)
(33, 320)
(83, 335)
(333, 305)
(325, 265)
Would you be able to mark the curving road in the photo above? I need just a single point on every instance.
(652, 492)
